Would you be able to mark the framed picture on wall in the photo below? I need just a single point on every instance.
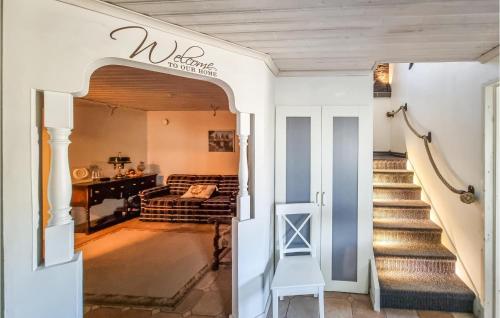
(221, 140)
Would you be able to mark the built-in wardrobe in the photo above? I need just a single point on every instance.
(324, 155)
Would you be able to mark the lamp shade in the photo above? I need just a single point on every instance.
(119, 160)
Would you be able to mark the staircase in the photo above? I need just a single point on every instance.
(415, 270)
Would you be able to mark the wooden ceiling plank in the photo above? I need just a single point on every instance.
(208, 6)
(347, 22)
(416, 9)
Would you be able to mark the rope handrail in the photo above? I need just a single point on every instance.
(465, 196)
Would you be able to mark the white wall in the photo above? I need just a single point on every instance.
(324, 91)
(53, 45)
(382, 125)
(182, 145)
(96, 136)
(446, 99)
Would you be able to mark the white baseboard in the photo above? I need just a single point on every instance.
(266, 310)
(478, 309)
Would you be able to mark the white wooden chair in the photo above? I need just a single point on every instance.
(299, 274)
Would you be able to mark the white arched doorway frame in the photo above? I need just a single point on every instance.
(58, 120)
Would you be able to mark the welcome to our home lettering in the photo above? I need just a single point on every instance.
(189, 60)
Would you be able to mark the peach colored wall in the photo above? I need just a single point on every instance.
(97, 135)
(182, 145)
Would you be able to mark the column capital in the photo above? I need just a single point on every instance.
(58, 110)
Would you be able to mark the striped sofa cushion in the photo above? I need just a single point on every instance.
(228, 184)
(180, 183)
(208, 179)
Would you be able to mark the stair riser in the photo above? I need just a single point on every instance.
(396, 194)
(415, 265)
(389, 164)
(426, 301)
(381, 177)
(407, 236)
(399, 213)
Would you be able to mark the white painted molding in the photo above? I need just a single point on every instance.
(134, 17)
(266, 308)
(58, 110)
(58, 119)
(478, 310)
(489, 55)
(374, 285)
(234, 268)
(324, 73)
(59, 185)
(243, 131)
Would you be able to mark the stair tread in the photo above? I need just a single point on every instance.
(405, 225)
(402, 171)
(413, 250)
(396, 185)
(387, 157)
(432, 283)
(401, 203)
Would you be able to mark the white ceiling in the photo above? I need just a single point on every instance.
(339, 35)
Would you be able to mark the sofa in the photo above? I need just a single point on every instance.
(164, 203)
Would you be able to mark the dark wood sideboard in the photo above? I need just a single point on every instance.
(88, 194)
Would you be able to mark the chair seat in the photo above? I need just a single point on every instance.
(298, 271)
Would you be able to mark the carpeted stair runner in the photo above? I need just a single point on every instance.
(415, 270)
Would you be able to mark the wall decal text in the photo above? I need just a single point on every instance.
(188, 60)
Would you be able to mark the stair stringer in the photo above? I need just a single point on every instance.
(446, 239)
(374, 285)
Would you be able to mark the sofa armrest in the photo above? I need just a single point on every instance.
(234, 195)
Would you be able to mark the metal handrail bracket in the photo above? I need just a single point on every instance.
(466, 196)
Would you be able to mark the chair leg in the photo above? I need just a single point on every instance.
(321, 298)
(275, 304)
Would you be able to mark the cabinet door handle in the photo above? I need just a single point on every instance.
(317, 194)
(323, 199)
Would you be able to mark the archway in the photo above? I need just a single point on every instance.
(58, 117)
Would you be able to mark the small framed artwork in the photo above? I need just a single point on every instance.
(221, 140)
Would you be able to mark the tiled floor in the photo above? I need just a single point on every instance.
(211, 297)
(337, 305)
(343, 305)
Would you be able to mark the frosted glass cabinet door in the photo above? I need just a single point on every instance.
(298, 157)
(346, 193)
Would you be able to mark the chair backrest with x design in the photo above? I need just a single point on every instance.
(297, 228)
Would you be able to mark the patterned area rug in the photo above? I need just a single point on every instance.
(139, 267)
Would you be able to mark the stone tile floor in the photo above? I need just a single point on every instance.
(344, 305)
(211, 297)
(208, 304)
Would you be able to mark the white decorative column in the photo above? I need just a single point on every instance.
(58, 119)
(243, 196)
